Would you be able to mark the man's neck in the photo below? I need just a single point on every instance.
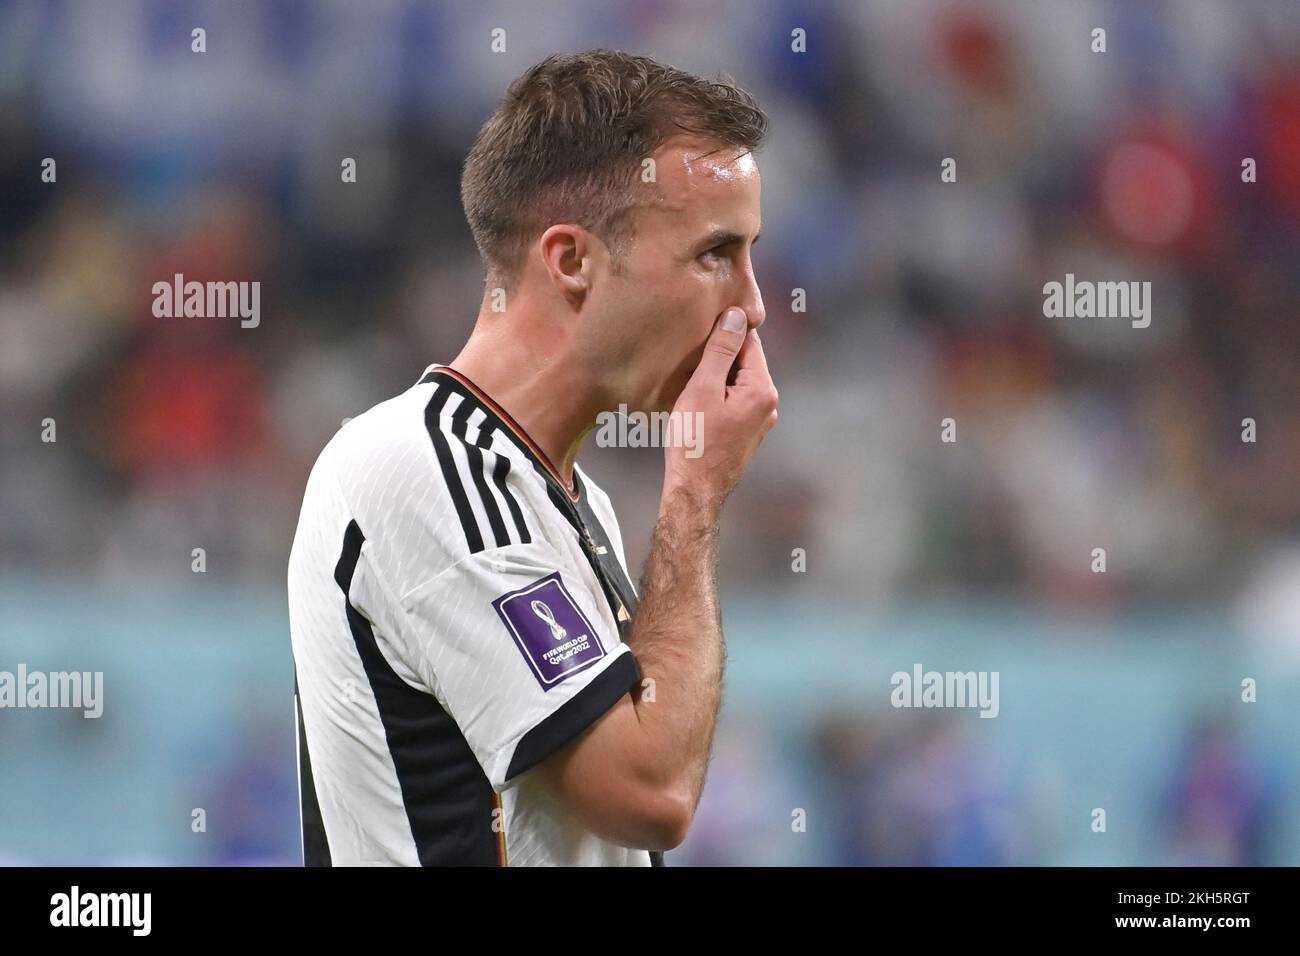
(547, 396)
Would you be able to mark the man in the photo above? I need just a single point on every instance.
(478, 681)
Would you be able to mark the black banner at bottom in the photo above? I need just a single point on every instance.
(334, 906)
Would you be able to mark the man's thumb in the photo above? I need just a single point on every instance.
(723, 345)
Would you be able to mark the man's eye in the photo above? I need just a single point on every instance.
(711, 254)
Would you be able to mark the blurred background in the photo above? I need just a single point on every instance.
(1119, 690)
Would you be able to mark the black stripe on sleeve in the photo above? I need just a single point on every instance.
(315, 842)
(459, 428)
(500, 471)
(576, 714)
(450, 473)
(448, 799)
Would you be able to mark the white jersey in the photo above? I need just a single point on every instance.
(457, 615)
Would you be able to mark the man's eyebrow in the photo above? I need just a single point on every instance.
(722, 237)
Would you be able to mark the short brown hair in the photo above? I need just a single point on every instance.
(567, 142)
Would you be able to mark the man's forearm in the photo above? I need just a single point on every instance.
(677, 639)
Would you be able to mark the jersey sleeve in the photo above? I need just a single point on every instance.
(522, 651)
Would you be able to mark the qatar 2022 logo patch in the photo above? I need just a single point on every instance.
(550, 630)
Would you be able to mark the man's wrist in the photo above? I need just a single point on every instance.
(691, 509)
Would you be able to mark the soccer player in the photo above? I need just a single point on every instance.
(478, 682)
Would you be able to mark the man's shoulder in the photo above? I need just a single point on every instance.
(381, 463)
(392, 423)
(424, 487)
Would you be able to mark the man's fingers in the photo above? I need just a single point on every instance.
(752, 375)
(750, 378)
(751, 354)
(724, 343)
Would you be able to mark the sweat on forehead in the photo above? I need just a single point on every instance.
(694, 155)
(682, 173)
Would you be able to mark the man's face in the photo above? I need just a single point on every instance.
(689, 262)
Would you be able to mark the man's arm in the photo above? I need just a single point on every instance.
(635, 776)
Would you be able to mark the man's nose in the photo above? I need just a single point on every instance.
(749, 297)
(753, 305)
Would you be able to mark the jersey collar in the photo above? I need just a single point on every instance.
(510, 427)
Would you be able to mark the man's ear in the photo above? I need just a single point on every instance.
(567, 256)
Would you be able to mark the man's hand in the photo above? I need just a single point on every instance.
(734, 417)
(635, 777)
